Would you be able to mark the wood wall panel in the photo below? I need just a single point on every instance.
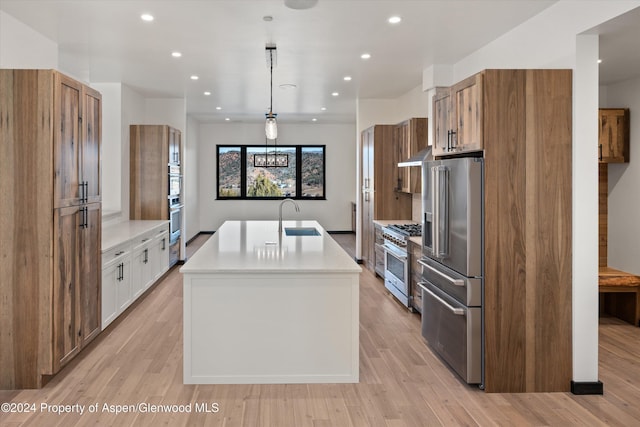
(549, 195)
(527, 135)
(603, 214)
(26, 131)
(505, 257)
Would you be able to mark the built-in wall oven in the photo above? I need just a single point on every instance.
(453, 263)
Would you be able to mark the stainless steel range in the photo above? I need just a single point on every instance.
(397, 277)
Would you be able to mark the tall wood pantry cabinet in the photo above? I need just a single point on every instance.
(50, 229)
(152, 148)
(524, 123)
(380, 200)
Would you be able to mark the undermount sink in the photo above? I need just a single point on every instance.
(301, 231)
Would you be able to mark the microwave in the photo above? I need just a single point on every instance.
(175, 183)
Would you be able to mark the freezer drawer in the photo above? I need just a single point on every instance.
(454, 331)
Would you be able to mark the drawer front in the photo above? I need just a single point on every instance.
(143, 239)
(454, 331)
(115, 254)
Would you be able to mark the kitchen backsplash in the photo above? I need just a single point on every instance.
(416, 208)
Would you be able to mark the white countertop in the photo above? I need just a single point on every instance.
(256, 246)
(114, 234)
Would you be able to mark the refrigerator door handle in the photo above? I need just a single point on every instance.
(435, 211)
(455, 282)
(443, 215)
(440, 209)
(454, 310)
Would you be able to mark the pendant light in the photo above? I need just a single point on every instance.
(271, 159)
(270, 125)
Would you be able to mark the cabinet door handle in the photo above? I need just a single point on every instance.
(146, 256)
(600, 152)
(454, 139)
(119, 253)
(449, 140)
(164, 243)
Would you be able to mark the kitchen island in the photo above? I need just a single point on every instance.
(264, 307)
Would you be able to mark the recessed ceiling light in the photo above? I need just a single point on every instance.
(599, 61)
(226, 119)
(146, 17)
(347, 78)
(267, 18)
(335, 94)
(300, 4)
(394, 20)
(176, 54)
(194, 77)
(365, 56)
(324, 109)
(207, 93)
(218, 108)
(314, 120)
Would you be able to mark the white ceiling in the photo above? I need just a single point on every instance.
(223, 41)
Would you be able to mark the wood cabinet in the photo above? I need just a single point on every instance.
(76, 143)
(174, 146)
(152, 148)
(379, 250)
(51, 227)
(458, 117)
(415, 272)
(527, 228)
(76, 303)
(614, 135)
(410, 138)
(379, 198)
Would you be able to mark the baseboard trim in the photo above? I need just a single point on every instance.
(196, 236)
(582, 388)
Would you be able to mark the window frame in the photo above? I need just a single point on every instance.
(243, 171)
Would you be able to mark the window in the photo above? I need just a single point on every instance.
(254, 172)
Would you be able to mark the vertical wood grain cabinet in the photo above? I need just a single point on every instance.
(411, 137)
(152, 148)
(526, 136)
(614, 135)
(380, 200)
(50, 229)
(457, 115)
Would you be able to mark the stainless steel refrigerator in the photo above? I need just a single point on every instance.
(453, 264)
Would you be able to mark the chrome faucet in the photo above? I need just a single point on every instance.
(280, 215)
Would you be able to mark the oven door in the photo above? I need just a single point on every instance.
(396, 273)
(175, 221)
(454, 331)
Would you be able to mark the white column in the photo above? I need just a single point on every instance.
(585, 210)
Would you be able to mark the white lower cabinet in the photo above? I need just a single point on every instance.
(130, 268)
(116, 282)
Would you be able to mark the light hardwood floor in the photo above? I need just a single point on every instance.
(138, 359)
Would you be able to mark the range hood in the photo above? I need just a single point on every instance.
(418, 158)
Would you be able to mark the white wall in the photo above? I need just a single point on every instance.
(334, 214)
(111, 166)
(190, 180)
(23, 47)
(624, 202)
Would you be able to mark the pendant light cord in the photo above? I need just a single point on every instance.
(271, 82)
